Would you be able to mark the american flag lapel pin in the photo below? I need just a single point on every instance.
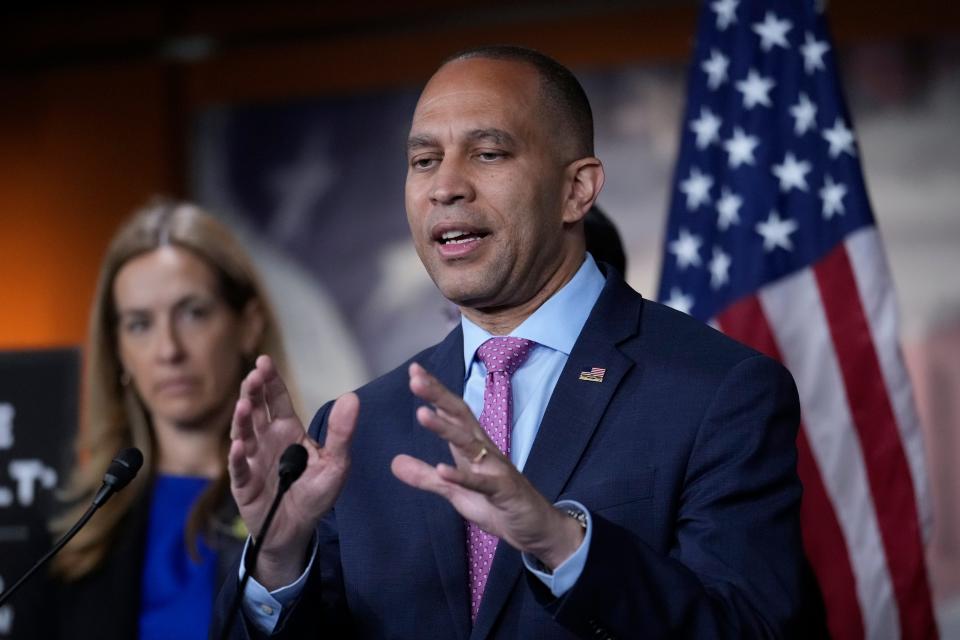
(594, 375)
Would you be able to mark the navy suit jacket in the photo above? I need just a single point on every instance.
(684, 454)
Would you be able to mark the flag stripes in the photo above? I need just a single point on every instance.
(825, 544)
(826, 547)
(805, 342)
(880, 308)
(886, 463)
(860, 515)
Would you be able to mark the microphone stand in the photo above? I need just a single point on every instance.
(62, 541)
(292, 463)
(121, 471)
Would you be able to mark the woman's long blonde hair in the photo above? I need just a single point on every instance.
(113, 416)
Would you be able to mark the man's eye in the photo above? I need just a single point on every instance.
(490, 156)
(423, 163)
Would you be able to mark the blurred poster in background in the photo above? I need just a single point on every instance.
(38, 421)
(315, 189)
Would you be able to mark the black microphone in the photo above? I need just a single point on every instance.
(121, 471)
(292, 463)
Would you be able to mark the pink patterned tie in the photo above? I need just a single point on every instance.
(501, 356)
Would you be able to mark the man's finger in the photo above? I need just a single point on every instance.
(484, 483)
(253, 389)
(428, 388)
(275, 391)
(235, 422)
(242, 426)
(340, 425)
(470, 438)
(237, 464)
(450, 418)
(252, 385)
(259, 416)
(419, 474)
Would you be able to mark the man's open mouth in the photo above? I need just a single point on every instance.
(460, 237)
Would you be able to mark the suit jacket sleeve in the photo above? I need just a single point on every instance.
(736, 568)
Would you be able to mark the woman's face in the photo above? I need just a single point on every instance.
(181, 345)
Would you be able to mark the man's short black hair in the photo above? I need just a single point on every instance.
(560, 90)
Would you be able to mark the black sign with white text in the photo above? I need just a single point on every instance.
(38, 421)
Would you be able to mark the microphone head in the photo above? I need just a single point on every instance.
(292, 463)
(123, 468)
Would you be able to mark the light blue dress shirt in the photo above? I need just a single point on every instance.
(555, 327)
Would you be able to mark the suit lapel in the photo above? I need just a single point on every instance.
(576, 406)
(444, 524)
(573, 413)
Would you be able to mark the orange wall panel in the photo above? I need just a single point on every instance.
(80, 150)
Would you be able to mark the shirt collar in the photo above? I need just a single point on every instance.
(558, 321)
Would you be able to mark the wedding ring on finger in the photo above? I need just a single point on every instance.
(480, 456)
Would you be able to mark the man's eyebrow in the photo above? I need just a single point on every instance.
(420, 142)
(496, 136)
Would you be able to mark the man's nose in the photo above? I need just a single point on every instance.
(451, 184)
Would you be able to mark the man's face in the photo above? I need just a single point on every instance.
(486, 184)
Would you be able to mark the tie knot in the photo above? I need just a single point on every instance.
(504, 354)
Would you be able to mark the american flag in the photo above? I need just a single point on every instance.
(594, 375)
(772, 240)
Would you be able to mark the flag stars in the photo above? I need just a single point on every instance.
(728, 206)
(680, 301)
(840, 139)
(812, 51)
(716, 69)
(686, 248)
(776, 232)
(740, 148)
(706, 128)
(696, 188)
(756, 90)
(792, 173)
(804, 115)
(772, 32)
(719, 268)
(832, 194)
(726, 11)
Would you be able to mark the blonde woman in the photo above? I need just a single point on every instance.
(178, 318)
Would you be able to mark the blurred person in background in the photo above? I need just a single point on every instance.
(603, 239)
(177, 320)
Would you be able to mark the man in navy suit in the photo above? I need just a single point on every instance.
(634, 474)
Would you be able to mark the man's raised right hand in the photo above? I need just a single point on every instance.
(264, 424)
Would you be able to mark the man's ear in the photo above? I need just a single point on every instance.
(252, 325)
(585, 179)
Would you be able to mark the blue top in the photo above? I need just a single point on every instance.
(177, 593)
